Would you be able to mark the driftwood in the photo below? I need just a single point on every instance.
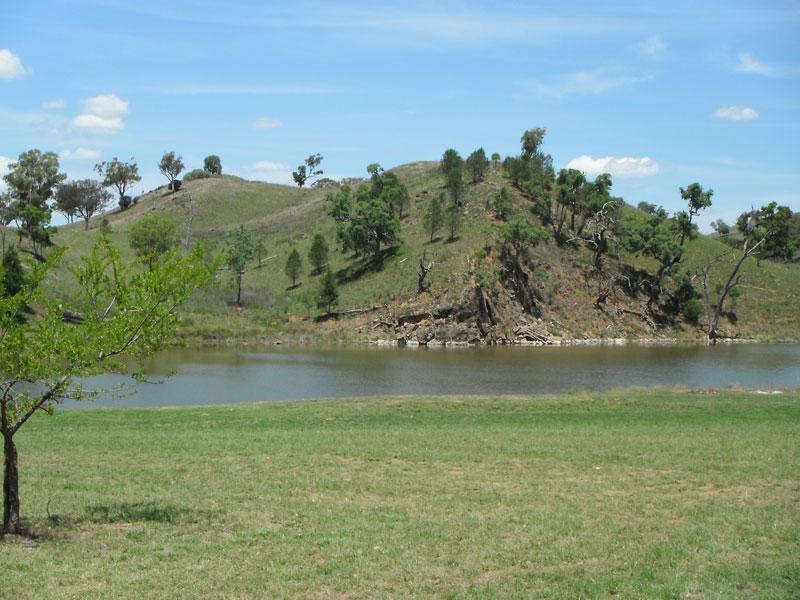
(635, 313)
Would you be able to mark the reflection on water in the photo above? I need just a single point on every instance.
(206, 376)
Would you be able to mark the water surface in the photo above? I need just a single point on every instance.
(215, 376)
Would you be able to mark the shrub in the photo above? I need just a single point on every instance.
(692, 309)
(197, 174)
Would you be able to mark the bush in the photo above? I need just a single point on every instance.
(197, 174)
(692, 309)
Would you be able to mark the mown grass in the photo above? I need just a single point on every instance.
(628, 494)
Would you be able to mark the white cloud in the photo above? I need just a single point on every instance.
(590, 82)
(79, 154)
(265, 123)
(273, 172)
(618, 167)
(11, 66)
(736, 113)
(750, 64)
(4, 166)
(54, 104)
(102, 114)
(106, 105)
(653, 47)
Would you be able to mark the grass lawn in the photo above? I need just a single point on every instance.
(629, 494)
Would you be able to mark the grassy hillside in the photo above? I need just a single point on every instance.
(286, 217)
(628, 494)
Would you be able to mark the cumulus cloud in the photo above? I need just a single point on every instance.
(102, 114)
(273, 172)
(79, 154)
(593, 82)
(11, 66)
(618, 167)
(266, 123)
(736, 113)
(653, 47)
(54, 104)
(750, 64)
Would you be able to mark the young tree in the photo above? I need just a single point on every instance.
(308, 170)
(495, 158)
(318, 255)
(241, 246)
(170, 167)
(698, 200)
(434, 215)
(328, 294)
(152, 237)
(781, 241)
(531, 141)
(294, 265)
(121, 176)
(13, 275)
(124, 313)
(477, 164)
(452, 220)
(213, 164)
(452, 166)
(503, 206)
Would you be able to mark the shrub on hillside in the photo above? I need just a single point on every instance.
(197, 174)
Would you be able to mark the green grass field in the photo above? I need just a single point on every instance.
(634, 494)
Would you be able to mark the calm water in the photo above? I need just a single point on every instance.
(219, 376)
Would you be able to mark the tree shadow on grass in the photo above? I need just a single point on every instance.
(356, 271)
(146, 512)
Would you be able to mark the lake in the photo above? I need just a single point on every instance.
(216, 376)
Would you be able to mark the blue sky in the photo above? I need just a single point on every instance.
(659, 95)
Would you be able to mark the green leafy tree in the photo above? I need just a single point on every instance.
(119, 175)
(308, 170)
(503, 205)
(453, 215)
(294, 266)
(67, 199)
(495, 158)
(394, 194)
(318, 254)
(328, 294)
(84, 198)
(477, 164)
(13, 275)
(152, 237)
(452, 166)
(518, 233)
(373, 225)
(531, 141)
(434, 215)
(698, 200)
(213, 164)
(170, 167)
(124, 312)
(340, 206)
(774, 225)
(32, 181)
(241, 247)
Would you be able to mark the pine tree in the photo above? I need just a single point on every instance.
(318, 255)
(294, 264)
(328, 295)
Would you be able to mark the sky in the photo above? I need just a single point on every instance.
(658, 94)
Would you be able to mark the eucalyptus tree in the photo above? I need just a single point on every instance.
(152, 237)
(308, 170)
(213, 164)
(241, 247)
(171, 166)
(119, 175)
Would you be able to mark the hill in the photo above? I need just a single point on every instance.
(471, 297)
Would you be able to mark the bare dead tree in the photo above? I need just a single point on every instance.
(424, 269)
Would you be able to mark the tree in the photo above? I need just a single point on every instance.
(6, 216)
(124, 312)
(13, 276)
(85, 198)
(119, 175)
(170, 167)
(495, 158)
(318, 254)
(340, 206)
(452, 166)
(698, 200)
(434, 215)
(67, 199)
(213, 164)
(531, 141)
(394, 194)
(503, 206)
(452, 220)
(152, 237)
(308, 170)
(294, 265)
(32, 181)
(241, 246)
(775, 225)
(373, 224)
(477, 164)
(328, 294)
(518, 233)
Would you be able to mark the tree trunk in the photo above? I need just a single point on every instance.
(11, 522)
